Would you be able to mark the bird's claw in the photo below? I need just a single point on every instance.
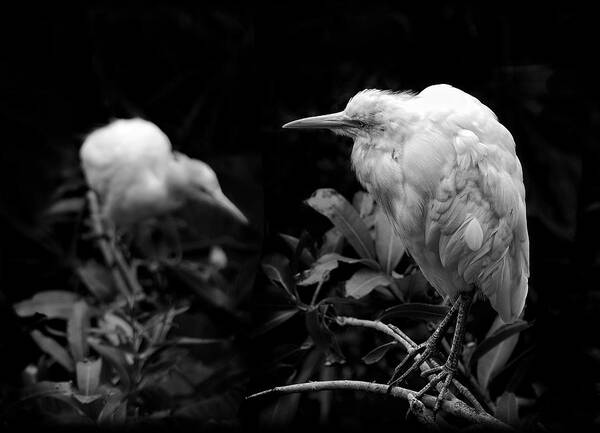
(427, 348)
(445, 373)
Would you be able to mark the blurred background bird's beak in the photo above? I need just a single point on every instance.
(326, 121)
(224, 203)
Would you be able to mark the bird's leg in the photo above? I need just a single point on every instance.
(428, 347)
(447, 371)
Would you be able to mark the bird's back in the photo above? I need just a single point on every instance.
(459, 200)
(125, 163)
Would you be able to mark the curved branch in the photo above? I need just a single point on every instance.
(452, 407)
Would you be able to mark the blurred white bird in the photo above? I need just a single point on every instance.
(129, 163)
(447, 175)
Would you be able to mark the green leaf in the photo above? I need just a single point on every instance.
(321, 269)
(378, 353)
(55, 304)
(388, 245)
(492, 362)
(275, 321)
(114, 357)
(507, 409)
(55, 350)
(341, 213)
(364, 281)
(66, 205)
(277, 269)
(77, 328)
(501, 334)
(88, 375)
(415, 310)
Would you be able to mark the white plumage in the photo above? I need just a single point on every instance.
(447, 176)
(129, 163)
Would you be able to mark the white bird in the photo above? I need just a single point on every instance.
(447, 175)
(129, 163)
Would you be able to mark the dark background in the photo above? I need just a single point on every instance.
(533, 66)
(221, 95)
(67, 69)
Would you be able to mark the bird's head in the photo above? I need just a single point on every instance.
(195, 180)
(368, 113)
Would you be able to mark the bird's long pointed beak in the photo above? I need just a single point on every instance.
(326, 121)
(223, 202)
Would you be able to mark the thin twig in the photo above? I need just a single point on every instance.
(452, 407)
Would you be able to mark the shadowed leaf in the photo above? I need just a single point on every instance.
(363, 282)
(55, 304)
(492, 362)
(97, 279)
(333, 242)
(77, 328)
(55, 350)
(415, 310)
(47, 389)
(327, 263)
(277, 269)
(275, 321)
(305, 256)
(507, 409)
(501, 334)
(114, 357)
(341, 213)
(376, 354)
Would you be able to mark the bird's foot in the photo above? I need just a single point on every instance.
(425, 350)
(443, 374)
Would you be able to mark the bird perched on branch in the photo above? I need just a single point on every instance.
(129, 163)
(446, 173)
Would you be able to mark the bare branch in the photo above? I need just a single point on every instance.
(452, 407)
(409, 345)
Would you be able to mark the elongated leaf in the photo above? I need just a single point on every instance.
(77, 328)
(66, 205)
(388, 245)
(321, 268)
(490, 363)
(88, 375)
(47, 389)
(114, 357)
(507, 409)
(379, 352)
(277, 269)
(501, 334)
(333, 242)
(415, 310)
(275, 321)
(114, 410)
(55, 304)
(364, 281)
(341, 213)
(305, 256)
(97, 279)
(55, 350)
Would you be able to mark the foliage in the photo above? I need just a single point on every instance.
(360, 268)
(156, 349)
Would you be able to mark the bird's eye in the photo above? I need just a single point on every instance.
(362, 123)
